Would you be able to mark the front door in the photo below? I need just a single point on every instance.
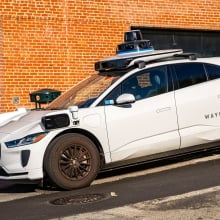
(149, 125)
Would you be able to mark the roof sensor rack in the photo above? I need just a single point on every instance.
(190, 56)
(131, 61)
(134, 43)
(140, 64)
(136, 52)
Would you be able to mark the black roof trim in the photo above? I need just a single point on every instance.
(190, 56)
(122, 69)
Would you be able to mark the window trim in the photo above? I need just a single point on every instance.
(207, 72)
(170, 83)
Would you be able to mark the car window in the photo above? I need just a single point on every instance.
(144, 84)
(213, 71)
(189, 74)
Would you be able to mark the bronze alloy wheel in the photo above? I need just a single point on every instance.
(72, 161)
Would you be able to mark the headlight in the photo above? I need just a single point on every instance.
(29, 139)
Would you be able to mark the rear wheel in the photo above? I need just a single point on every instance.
(72, 161)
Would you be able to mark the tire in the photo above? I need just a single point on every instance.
(72, 161)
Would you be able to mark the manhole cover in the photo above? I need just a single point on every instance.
(78, 199)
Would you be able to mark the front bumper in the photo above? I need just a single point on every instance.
(21, 162)
(4, 174)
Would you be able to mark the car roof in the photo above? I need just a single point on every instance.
(210, 60)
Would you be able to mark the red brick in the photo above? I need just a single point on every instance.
(47, 43)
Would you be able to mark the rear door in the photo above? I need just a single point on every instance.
(198, 103)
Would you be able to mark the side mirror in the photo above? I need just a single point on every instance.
(125, 99)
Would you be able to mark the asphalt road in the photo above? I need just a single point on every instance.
(127, 187)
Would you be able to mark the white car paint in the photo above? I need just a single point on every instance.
(194, 103)
(139, 127)
(12, 116)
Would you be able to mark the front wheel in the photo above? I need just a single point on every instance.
(72, 161)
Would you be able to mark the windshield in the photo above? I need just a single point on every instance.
(84, 93)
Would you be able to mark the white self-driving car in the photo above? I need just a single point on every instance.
(156, 105)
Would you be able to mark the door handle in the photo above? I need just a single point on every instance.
(163, 109)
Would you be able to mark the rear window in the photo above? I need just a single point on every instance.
(189, 74)
(213, 71)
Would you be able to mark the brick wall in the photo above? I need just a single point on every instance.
(54, 43)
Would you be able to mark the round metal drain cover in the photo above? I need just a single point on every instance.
(78, 199)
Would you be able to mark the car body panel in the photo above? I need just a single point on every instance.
(12, 116)
(198, 110)
(91, 120)
(135, 130)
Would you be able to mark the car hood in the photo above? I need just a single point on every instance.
(15, 125)
(20, 123)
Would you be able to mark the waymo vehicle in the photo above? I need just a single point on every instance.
(140, 106)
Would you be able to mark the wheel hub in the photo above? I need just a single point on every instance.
(74, 163)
